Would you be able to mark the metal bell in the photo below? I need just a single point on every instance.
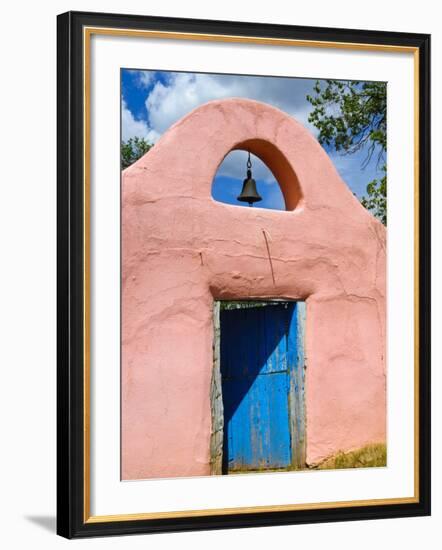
(249, 192)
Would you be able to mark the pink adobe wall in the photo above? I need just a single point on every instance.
(181, 250)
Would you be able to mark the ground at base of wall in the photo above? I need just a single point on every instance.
(370, 456)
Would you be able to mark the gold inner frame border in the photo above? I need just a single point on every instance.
(88, 32)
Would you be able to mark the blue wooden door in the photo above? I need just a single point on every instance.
(258, 360)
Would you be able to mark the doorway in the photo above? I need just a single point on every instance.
(261, 380)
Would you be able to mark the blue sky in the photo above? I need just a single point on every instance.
(151, 101)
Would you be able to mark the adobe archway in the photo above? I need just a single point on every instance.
(181, 250)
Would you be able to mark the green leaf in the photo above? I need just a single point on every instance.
(133, 149)
(352, 116)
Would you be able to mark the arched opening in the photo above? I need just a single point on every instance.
(228, 182)
(277, 186)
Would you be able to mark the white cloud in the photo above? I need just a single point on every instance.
(168, 103)
(182, 92)
(131, 127)
(143, 79)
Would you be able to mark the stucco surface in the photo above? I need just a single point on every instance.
(181, 250)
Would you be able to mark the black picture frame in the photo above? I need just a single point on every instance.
(72, 517)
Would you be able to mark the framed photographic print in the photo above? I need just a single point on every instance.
(243, 302)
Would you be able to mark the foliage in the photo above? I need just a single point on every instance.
(352, 116)
(132, 150)
(370, 456)
(376, 199)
